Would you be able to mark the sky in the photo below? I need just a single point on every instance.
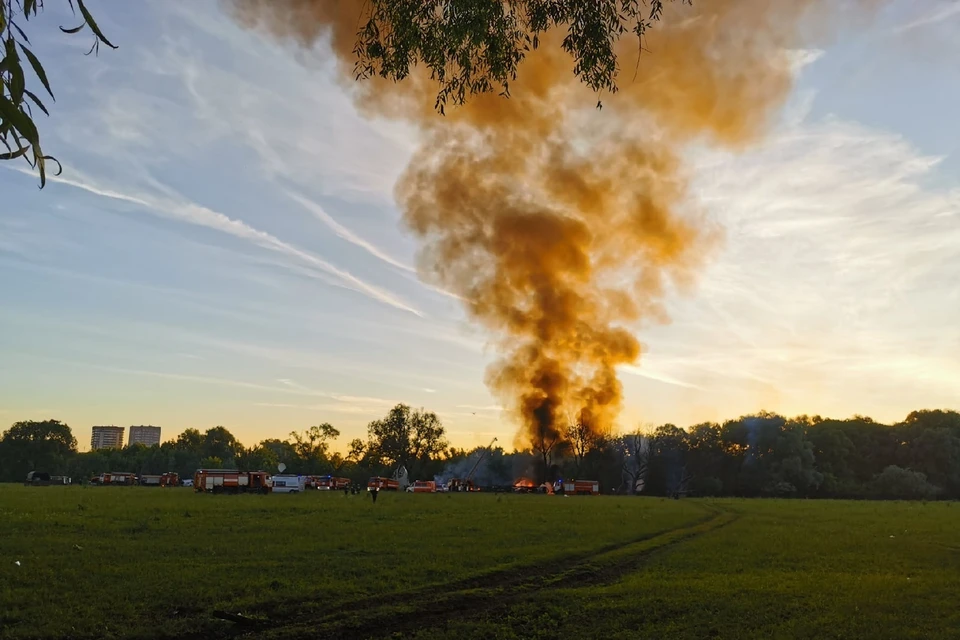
(223, 246)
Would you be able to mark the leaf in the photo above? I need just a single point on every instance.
(17, 84)
(20, 121)
(36, 100)
(20, 31)
(14, 154)
(73, 30)
(93, 24)
(38, 69)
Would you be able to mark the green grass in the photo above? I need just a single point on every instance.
(158, 563)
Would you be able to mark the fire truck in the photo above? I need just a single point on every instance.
(168, 479)
(150, 480)
(329, 483)
(383, 484)
(115, 478)
(581, 487)
(230, 481)
(423, 486)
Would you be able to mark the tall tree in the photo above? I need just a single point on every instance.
(313, 446)
(35, 446)
(404, 437)
(218, 442)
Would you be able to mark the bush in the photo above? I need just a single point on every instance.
(903, 484)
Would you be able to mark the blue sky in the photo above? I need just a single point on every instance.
(223, 247)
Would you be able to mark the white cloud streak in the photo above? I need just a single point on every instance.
(346, 234)
(195, 214)
(945, 11)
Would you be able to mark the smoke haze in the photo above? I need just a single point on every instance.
(563, 227)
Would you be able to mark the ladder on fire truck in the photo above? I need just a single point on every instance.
(483, 455)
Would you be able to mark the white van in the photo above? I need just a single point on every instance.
(288, 484)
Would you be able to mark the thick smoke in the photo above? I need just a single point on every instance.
(561, 226)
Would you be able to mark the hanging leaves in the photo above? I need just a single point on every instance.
(18, 131)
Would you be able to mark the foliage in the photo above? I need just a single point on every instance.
(476, 46)
(18, 131)
(759, 455)
(35, 446)
(904, 484)
(404, 437)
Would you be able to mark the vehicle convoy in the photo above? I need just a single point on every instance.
(383, 484)
(230, 481)
(288, 483)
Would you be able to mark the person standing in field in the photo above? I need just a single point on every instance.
(373, 492)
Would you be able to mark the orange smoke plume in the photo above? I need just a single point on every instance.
(561, 226)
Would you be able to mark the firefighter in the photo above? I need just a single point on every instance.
(374, 492)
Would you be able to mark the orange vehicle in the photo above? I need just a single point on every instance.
(230, 481)
(115, 478)
(581, 487)
(383, 484)
(423, 486)
(329, 483)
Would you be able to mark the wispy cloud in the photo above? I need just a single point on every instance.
(943, 12)
(346, 234)
(199, 215)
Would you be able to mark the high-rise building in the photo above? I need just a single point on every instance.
(107, 438)
(148, 436)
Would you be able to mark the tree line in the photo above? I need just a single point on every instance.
(757, 455)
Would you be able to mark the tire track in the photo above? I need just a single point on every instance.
(484, 594)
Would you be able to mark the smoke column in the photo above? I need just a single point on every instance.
(563, 227)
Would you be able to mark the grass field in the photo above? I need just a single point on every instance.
(111, 562)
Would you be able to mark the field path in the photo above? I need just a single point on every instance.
(432, 607)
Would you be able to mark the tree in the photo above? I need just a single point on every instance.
(218, 442)
(257, 458)
(35, 446)
(312, 446)
(404, 437)
(472, 47)
(189, 440)
(633, 454)
(18, 131)
(582, 440)
(903, 484)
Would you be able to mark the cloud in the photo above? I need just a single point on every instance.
(346, 234)
(838, 280)
(199, 215)
(943, 12)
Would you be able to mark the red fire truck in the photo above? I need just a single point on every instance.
(383, 484)
(329, 483)
(170, 479)
(230, 481)
(115, 478)
(581, 487)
